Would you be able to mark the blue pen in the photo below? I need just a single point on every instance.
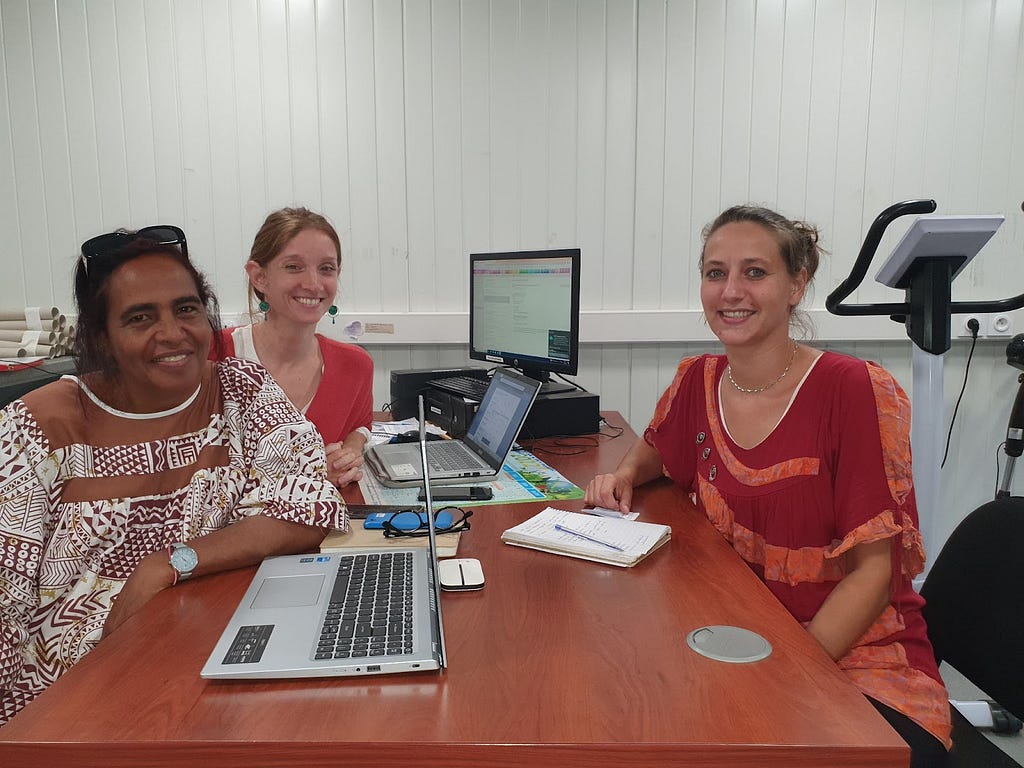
(608, 544)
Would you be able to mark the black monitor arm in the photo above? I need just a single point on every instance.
(928, 305)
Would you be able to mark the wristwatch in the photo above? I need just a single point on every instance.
(183, 560)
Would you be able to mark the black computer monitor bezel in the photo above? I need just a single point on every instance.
(536, 368)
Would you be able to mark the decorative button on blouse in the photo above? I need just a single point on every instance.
(713, 473)
(705, 453)
(700, 437)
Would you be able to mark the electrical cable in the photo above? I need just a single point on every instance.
(999, 448)
(974, 327)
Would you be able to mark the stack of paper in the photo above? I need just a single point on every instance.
(602, 539)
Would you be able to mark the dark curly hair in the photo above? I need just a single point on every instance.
(92, 294)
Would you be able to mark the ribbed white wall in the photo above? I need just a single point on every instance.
(427, 129)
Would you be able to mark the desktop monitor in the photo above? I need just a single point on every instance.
(524, 311)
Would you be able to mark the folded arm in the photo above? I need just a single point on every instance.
(857, 600)
(244, 543)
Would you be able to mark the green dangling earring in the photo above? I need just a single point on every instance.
(263, 307)
(333, 312)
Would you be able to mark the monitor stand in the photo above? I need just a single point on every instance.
(549, 386)
(554, 387)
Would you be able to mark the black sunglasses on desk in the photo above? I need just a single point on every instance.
(103, 245)
(415, 523)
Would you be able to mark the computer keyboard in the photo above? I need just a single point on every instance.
(467, 386)
(370, 613)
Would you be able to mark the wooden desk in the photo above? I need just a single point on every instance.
(557, 662)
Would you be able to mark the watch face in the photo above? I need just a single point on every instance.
(184, 559)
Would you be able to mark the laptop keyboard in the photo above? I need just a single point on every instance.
(467, 386)
(446, 456)
(370, 612)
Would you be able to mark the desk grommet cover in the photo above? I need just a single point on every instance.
(730, 644)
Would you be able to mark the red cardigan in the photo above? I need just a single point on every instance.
(344, 400)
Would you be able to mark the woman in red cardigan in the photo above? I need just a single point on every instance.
(293, 270)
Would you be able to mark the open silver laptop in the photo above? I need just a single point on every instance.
(317, 615)
(477, 454)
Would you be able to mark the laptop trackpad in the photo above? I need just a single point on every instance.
(289, 591)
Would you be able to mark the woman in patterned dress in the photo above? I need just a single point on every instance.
(801, 459)
(151, 466)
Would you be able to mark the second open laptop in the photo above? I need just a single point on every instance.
(342, 613)
(478, 454)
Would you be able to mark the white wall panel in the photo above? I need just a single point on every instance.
(737, 98)
(225, 161)
(562, 106)
(591, 160)
(243, 45)
(620, 151)
(795, 111)
(132, 55)
(53, 141)
(439, 268)
(26, 151)
(767, 69)
(165, 121)
(474, 36)
(11, 254)
(678, 266)
(389, 74)
(650, 155)
(304, 103)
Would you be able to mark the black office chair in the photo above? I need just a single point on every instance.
(975, 617)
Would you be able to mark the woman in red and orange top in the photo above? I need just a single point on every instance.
(801, 459)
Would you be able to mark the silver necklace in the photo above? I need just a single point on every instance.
(770, 384)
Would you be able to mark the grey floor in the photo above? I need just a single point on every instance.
(962, 689)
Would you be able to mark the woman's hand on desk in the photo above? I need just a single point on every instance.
(611, 492)
(641, 464)
(152, 575)
(344, 464)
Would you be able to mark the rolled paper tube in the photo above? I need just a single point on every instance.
(49, 324)
(29, 337)
(40, 313)
(10, 350)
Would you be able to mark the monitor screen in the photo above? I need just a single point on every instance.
(524, 311)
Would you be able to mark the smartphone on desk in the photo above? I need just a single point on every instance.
(407, 520)
(362, 511)
(459, 493)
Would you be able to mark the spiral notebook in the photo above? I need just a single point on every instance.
(602, 539)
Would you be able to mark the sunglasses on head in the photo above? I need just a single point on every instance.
(103, 245)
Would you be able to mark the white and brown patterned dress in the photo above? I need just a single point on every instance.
(87, 491)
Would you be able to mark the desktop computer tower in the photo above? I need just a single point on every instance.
(407, 385)
(574, 412)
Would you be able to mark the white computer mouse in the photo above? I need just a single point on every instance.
(461, 573)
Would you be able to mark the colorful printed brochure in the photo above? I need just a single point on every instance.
(524, 477)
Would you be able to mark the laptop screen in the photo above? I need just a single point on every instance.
(501, 413)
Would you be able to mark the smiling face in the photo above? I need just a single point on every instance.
(746, 291)
(157, 332)
(300, 282)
